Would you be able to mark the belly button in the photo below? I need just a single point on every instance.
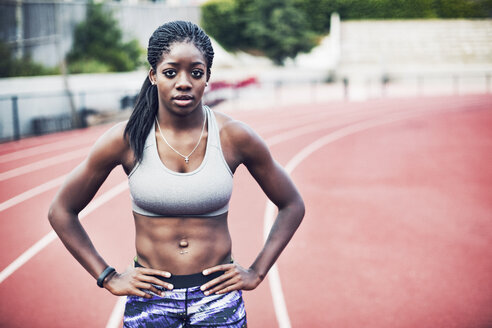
(183, 243)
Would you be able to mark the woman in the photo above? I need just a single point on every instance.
(179, 157)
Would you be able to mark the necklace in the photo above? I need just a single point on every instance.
(186, 158)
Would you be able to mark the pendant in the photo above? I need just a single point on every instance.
(186, 160)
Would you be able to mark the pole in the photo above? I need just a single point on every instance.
(15, 118)
(63, 67)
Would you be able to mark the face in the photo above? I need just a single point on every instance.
(180, 78)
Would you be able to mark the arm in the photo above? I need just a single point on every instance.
(77, 191)
(279, 188)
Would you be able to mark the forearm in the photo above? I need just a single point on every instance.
(75, 238)
(284, 227)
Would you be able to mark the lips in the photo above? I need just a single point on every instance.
(183, 97)
(183, 100)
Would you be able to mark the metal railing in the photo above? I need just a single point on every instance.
(26, 114)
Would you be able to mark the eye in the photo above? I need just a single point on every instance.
(197, 73)
(170, 73)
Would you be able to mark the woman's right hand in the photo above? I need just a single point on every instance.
(137, 281)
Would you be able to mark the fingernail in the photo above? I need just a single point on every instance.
(205, 272)
(171, 286)
(206, 293)
(203, 287)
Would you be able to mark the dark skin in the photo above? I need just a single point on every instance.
(188, 245)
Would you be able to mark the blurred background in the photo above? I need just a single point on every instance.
(74, 63)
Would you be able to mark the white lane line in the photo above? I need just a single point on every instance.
(44, 163)
(37, 150)
(31, 193)
(48, 238)
(117, 313)
(273, 276)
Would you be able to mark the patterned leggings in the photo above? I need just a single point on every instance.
(186, 307)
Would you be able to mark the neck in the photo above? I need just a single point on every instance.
(170, 120)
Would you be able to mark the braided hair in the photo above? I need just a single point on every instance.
(146, 107)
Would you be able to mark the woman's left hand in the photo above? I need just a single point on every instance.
(235, 277)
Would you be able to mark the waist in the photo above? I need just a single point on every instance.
(187, 280)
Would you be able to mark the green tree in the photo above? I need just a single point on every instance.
(274, 28)
(226, 29)
(25, 66)
(319, 11)
(98, 45)
(279, 30)
(463, 8)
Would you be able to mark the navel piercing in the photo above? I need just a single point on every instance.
(183, 243)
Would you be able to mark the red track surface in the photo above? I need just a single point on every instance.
(398, 230)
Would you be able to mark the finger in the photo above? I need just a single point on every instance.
(218, 280)
(221, 267)
(154, 272)
(140, 293)
(225, 284)
(149, 287)
(228, 289)
(155, 281)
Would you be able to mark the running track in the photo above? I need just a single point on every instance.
(398, 229)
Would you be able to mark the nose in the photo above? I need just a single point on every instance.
(183, 82)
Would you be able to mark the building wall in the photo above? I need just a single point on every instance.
(45, 29)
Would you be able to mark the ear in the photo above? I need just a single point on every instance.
(152, 76)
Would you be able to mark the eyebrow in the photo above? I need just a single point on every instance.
(192, 64)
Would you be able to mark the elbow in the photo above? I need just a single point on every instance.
(55, 214)
(297, 209)
(52, 214)
(301, 209)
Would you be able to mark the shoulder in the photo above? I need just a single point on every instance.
(233, 129)
(112, 147)
(240, 138)
(114, 138)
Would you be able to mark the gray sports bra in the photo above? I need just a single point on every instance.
(158, 191)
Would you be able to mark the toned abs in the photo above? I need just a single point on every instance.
(182, 245)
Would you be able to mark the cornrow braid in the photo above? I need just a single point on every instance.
(146, 107)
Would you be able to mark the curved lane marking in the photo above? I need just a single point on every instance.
(32, 192)
(41, 149)
(48, 238)
(274, 278)
(273, 275)
(114, 320)
(44, 163)
(43, 242)
(117, 313)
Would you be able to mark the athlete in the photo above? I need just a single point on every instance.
(180, 158)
